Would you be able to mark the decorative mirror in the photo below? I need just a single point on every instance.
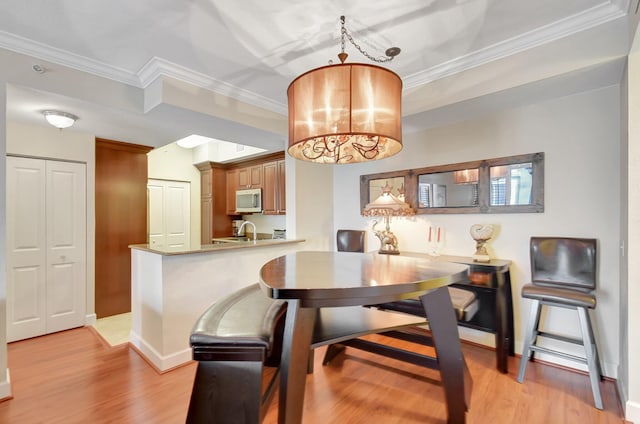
(453, 189)
(396, 183)
(510, 184)
(371, 186)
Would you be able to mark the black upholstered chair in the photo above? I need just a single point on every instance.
(346, 241)
(350, 240)
(563, 273)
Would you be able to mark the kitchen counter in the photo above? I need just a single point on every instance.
(210, 248)
(171, 289)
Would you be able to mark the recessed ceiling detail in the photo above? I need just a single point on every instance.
(214, 52)
(149, 74)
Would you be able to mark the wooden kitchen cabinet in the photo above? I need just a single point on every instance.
(282, 185)
(251, 173)
(273, 191)
(250, 177)
(232, 186)
(214, 221)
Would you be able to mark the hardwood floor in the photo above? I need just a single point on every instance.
(74, 377)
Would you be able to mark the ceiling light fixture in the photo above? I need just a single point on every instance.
(346, 113)
(192, 141)
(59, 119)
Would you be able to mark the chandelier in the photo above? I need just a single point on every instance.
(346, 113)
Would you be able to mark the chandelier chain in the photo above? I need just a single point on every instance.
(344, 33)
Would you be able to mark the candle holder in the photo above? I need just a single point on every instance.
(435, 241)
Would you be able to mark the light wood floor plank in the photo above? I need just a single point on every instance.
(73, 377)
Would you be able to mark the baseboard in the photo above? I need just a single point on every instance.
(159, 362)
(477, 337)
(90, 319)
(5, 388)
(632, 412)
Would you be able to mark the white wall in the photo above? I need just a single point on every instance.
(5, 385)
(580, 137)
(70, 145)
(631, 380)
(310, 203)
(172, 162)
(222, 151)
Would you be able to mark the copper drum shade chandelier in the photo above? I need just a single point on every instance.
(346, 113)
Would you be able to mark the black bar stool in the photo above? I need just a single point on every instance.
(563, 274)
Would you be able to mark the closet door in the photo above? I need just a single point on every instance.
(66, 245)
(26, 248)
(46, 246)
(169, 206)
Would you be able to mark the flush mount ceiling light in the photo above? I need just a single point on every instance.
(193, 140)
(346, 113)
(59, 119)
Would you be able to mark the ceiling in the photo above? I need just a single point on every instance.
(453, 54)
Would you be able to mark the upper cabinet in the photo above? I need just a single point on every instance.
(232, 186)
(250, 177)
(501, 185)
(214, 221)
(273, 191)
(264, 172)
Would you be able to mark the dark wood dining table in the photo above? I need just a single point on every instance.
(313, 280)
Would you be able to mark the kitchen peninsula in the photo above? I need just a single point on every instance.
(170, 290)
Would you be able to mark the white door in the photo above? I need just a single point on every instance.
(66, 245)
(46, 233)
(169, 214)
(26, 248)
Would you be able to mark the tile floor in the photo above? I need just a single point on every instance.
(115, 329)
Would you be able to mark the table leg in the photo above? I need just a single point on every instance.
(456, 379)
(501, 324)
(296, 343)
(504, 322)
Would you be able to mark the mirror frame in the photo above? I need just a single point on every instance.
(484, 184)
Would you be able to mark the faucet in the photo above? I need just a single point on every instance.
(255, 233)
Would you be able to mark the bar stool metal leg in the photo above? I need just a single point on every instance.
(529, 337)
(592, 356)
(595, 346)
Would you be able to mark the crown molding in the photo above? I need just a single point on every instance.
(62, 57)
(582, 21)
(158, 67)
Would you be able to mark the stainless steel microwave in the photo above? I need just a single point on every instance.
(249, 200)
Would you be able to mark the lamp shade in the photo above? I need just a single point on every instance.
(345, 113)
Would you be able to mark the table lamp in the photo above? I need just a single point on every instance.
(387, 205)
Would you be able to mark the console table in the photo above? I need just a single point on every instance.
(495, 308)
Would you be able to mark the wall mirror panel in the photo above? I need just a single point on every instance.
(512, 184)
(402, 184)
(453, 189)
(376, 187)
